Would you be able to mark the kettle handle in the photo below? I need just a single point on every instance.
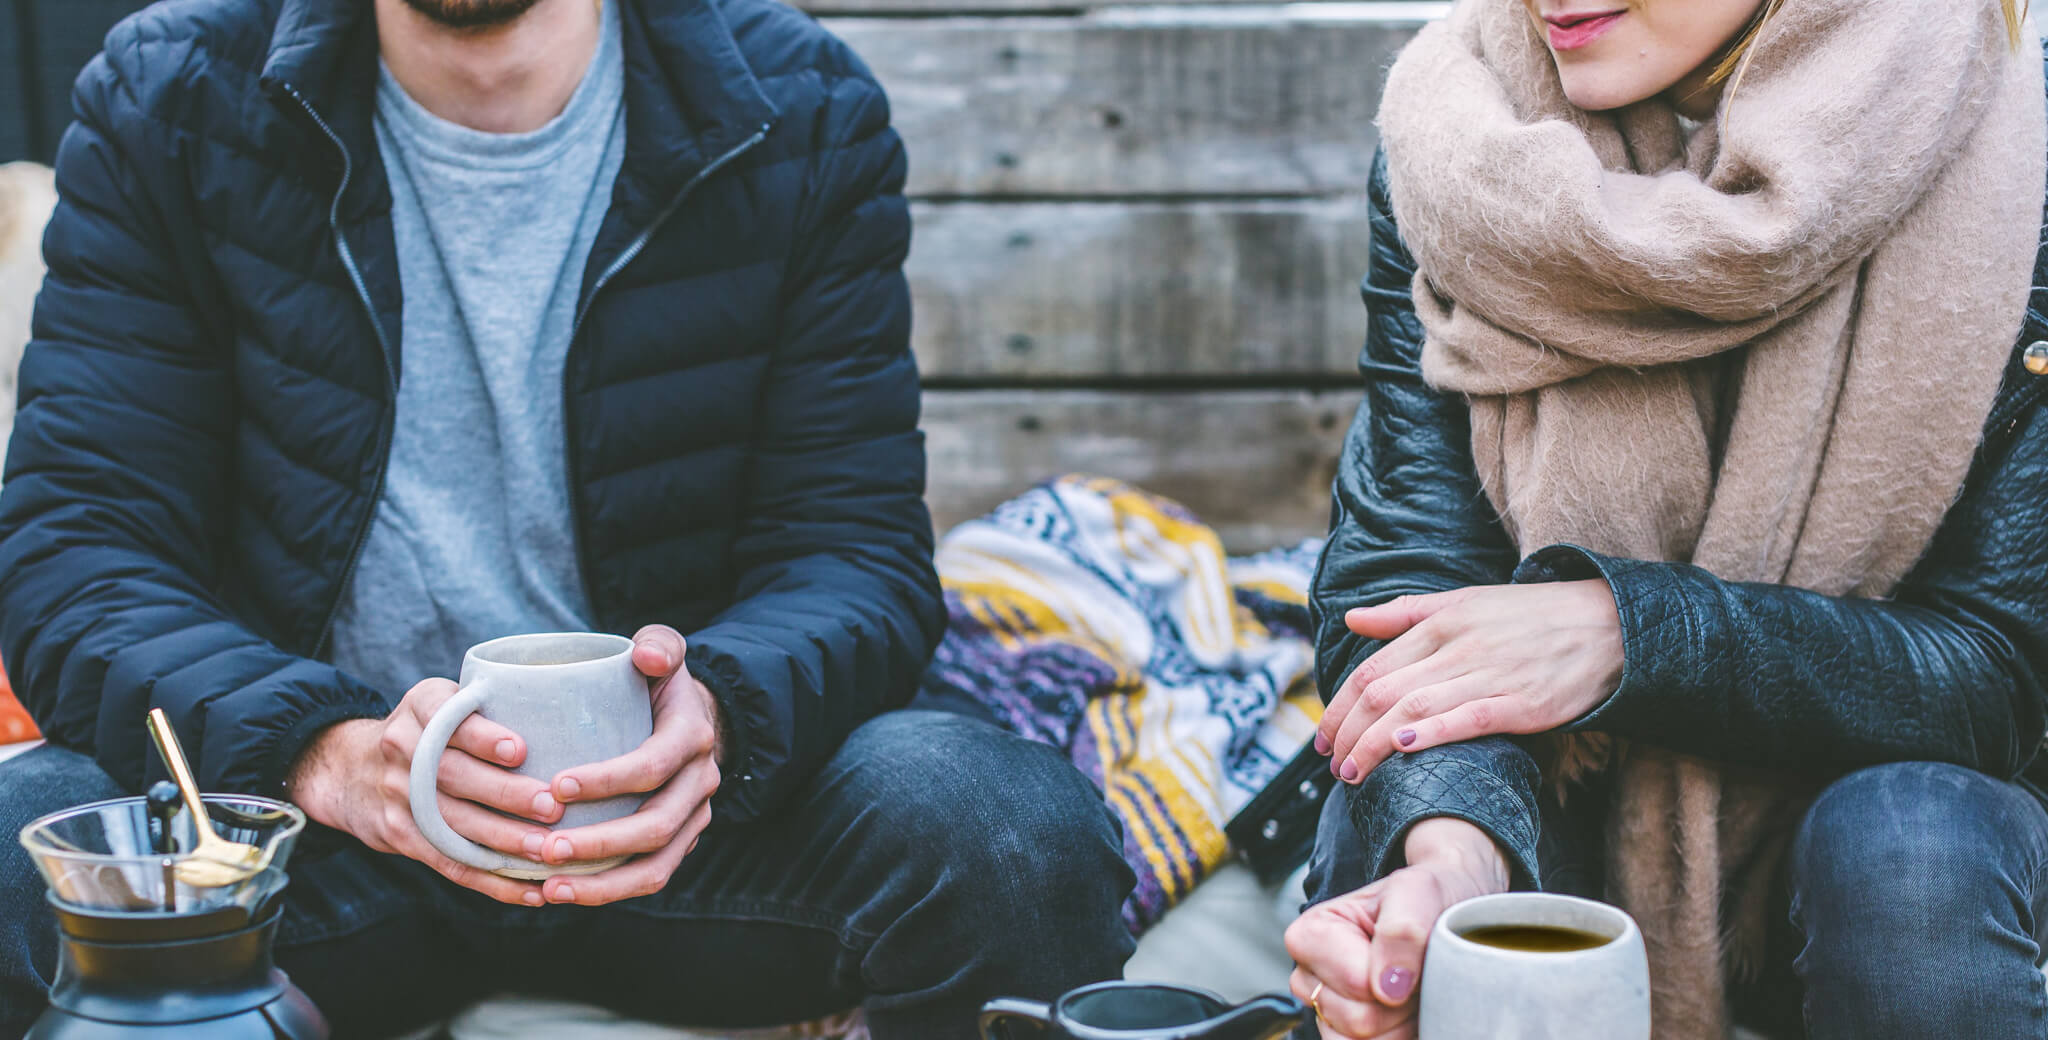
(1269, 1017)
(1000, 1014)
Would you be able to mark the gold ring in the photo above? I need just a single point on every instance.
(1315, 995)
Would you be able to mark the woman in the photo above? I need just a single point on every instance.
(1705, 312)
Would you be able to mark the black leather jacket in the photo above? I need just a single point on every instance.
(1949, 669)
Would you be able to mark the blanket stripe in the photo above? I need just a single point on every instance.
(1107, 622)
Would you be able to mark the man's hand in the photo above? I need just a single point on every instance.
(1360, 955)
(678, 763)
(1471, 662)
(355, 775)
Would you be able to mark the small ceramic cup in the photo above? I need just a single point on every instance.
(574, 697)
(1472, 990)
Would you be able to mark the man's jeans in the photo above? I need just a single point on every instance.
(934, 863)
(1913, 908)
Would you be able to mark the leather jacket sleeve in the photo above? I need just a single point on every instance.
(1408, 517)
(1949, 669)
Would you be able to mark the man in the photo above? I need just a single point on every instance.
(562, 315)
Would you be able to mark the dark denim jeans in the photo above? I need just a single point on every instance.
(1914, 907)
(934, 863)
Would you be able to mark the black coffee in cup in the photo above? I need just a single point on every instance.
(1536, 938)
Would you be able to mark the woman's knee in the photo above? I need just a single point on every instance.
(1901, 866)
(1914, 831)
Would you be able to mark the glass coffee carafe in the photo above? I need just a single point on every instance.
(142, 952)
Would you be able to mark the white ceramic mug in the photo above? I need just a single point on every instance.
(574, 697)
(1471, 991)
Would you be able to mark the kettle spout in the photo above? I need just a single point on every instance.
(1264, 1018)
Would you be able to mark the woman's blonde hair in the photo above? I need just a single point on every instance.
(1731, 63)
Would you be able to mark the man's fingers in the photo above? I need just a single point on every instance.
(426, 697)
(502, 889)
(658, 651)
(634, 878)
(1475, 717)
(1407, 913)
(649, 829)
(489, 741)
(492, 830)
(404, 837)
(464, 776)
(679, 737)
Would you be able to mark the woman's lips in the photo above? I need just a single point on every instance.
(1572, 31)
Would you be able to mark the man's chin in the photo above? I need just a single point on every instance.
(471, 14)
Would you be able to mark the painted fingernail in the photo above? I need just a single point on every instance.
(1349, 772)
(1396, 983)
(531, 846)
(569, 788)
(543, 804)
(1405, 737)
(532, 898)
(564, 850)
(1322, 744)
(505, 749)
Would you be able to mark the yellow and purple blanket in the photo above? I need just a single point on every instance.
(1107, 622)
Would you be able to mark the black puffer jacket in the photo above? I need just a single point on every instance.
(1950, 669)
(207, 403)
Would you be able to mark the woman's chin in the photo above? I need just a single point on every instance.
(1601, 90)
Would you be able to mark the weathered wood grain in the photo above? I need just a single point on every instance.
(1255, 464)
(1114, 291)
(1267, 101)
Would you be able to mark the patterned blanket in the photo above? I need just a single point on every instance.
(1107, 622)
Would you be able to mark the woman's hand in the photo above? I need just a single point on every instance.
(1473, 661)
(1360, 955)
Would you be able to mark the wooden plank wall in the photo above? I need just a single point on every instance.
(1140, 231)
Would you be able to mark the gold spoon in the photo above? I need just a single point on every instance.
(214, 861)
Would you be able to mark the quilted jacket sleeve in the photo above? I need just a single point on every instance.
(838, 606)
(1408, 517)
(117, 485)
(1948, 670)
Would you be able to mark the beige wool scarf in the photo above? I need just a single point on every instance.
(1766, 348)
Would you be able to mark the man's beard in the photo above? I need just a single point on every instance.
(471, 14)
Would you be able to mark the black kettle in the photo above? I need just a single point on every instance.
(1140, 1011)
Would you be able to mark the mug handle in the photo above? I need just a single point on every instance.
(425, 792)
(998, 1015)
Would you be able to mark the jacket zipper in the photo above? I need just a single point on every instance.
(355, 275)
(632, 250)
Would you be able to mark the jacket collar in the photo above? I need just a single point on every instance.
(690, 94)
